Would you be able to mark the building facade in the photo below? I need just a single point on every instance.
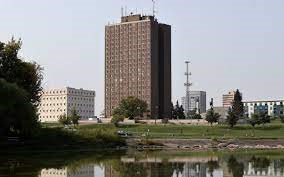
(228, 99)
(84, 171)
(57, 102)
(272, 108)
(138, 63)
(197, 101)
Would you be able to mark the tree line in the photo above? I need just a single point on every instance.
(20, 91)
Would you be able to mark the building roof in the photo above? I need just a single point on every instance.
(263, 101)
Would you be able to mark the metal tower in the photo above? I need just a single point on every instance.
(187, 85)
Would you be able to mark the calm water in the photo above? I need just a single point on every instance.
(144, 164)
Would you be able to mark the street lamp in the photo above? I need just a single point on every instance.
(138, 109)
(157, 113)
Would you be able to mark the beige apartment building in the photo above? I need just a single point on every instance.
(138, 63)
(57, 102)
(84, 171)
(228, 99)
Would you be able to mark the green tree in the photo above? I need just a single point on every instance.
(65, 120)
(173, 111)
(74, 117)
(180, 113)
(212, 165)
(254, 120)
(117, 117)
(26, 75)
(232, 118)
(17, 114)
(211, 116)
(264, 118)
(281, 118)
(235, 167)
(132, 107)
(237, 105)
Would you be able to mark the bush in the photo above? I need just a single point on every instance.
(281, 118)
(17, 115)
(116, 118)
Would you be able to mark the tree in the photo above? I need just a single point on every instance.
(116, 118)
(281, 118)
(235, 167)
(232, 118)
(74, 117)
(17, 115)
(264, 118)
(173, 111)
(180, 112)
(196, 116)
(237, 105)
(65, 120)
(26, 75)
(212, 165)
(132, 107)
(211, 116)
(254, 120)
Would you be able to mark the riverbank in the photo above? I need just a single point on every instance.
(160, 136)
(60, 138)
(205, 144)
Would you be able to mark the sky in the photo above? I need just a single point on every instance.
(231, 43)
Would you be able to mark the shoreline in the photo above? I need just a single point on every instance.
(205, 144)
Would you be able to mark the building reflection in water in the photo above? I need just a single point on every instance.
(175, 167)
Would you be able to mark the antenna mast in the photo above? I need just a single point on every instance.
(187, 85)
(154, 11)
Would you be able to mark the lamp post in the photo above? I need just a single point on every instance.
(138, 109)
(157, 113)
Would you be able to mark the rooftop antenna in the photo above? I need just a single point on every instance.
(187, 84)
(121, 11)
(154, 11)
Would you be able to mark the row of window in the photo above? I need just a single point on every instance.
(70, 91)
(69, 104)
(63, 110)
(72, 98)
(53, 117)
(266, 104)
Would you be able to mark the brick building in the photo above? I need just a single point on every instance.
(138, 63)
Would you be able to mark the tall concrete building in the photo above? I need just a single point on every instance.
(138, 63)
(197, 101)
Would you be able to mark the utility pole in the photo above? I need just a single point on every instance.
(187, 84)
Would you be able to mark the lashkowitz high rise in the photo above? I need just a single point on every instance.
(138, 63)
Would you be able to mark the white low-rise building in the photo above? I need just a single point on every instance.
(57, 102)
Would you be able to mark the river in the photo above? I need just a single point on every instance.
(143, 164)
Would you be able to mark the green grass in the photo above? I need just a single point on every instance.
(273, 131)
(55, 137)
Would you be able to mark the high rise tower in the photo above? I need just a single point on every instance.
(138, 63)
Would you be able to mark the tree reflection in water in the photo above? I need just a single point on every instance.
(235, 167)
(142, 164)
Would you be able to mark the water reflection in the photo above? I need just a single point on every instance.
(152, 165)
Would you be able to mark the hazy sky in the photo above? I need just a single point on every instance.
(231, 43)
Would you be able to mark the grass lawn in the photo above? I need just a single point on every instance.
(269, 131)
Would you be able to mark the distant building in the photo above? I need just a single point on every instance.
(272, 108)
(57, 102)
(138, 63)
(197, 101)
(85, 171)
(223, 111)
(228, 99)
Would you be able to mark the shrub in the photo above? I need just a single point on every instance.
(116, 118)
